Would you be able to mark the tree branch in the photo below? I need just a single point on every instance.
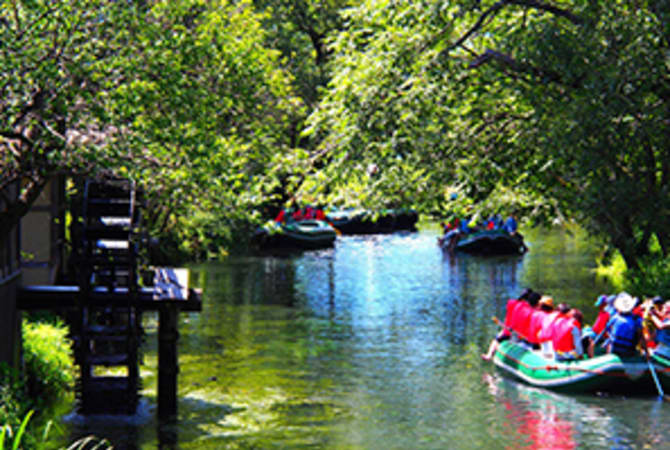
(555, 10)
(518, 66)
(496, 7)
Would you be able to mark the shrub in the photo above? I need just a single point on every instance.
(48, 361)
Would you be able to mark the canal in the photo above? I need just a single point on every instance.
(374, 344)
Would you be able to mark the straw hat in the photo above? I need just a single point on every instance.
(624, 303)
(546, 300)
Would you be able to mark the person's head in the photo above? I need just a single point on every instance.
(601, 301)
(624, 303)
(534, 298)
(546, 303)
(563, 308)
(658, 302)
(525, 293)
(578, 316)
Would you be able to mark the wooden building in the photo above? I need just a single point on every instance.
(10, 279)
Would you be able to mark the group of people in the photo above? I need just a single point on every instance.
(452, 231)
(307, 213)
(624, 325)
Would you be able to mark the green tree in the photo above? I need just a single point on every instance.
(49, 117)
(565, 104)
(206, 106)
(183, 96)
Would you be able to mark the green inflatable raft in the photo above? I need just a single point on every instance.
(603, 373)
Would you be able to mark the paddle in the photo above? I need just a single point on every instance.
(661, 394)
(510, 329)
(337, 232)
(602, 333)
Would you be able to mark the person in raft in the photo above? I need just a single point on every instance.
(506, 332)
(566, 335)
(661, 318)
(626, 327)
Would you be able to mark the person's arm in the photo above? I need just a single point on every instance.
(658, 323)
(577, 341)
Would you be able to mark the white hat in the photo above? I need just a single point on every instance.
(624, 303)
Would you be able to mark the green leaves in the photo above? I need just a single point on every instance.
(514, 105)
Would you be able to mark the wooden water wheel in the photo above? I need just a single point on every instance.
(108, 331)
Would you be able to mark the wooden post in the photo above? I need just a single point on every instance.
(168, 368)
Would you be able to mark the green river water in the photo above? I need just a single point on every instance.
(374, 344)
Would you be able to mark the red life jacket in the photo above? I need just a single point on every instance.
(562, 339)
(522, 320)
(601, 321)
(320, 215)
(535, 325)
(281, 216)
(546, 329)
(512, 303)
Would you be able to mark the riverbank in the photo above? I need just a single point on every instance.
(47, 379)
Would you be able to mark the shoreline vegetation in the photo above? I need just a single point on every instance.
(48, 375)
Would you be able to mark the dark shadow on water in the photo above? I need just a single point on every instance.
(134, 432)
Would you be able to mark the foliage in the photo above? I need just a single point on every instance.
(300, 29)
(182, 95)
(50, 120)
(48, 374)
(13, 398)
(48, 360)
(17, 438)
(552, 110)
(652, 278)
(207, 107)
(6, 432)
(563, 104)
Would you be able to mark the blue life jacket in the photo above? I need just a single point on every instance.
(663, 335)
(510, 225)
(625, 331)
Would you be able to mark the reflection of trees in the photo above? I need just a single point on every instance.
(561, 264)
(478, 288)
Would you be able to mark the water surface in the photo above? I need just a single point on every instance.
(375, 344)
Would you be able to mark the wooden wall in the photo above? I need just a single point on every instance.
(42, 236)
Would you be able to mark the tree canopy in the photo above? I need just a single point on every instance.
(553, 109)
(564, 103)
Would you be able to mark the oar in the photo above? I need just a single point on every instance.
(508, 328)
(337, 232)
(602, 333)
(661, 394)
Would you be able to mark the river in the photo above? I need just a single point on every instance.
(374, 344)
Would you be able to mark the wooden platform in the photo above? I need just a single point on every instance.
(170, 288)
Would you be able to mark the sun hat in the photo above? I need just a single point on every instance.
(601, 299)
(624, 303)
(546, 300)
